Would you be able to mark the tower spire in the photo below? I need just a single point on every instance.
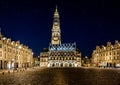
(56, 14)
(56, 8)
(56, 34)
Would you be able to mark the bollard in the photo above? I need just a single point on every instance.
(3, 73)
(9, 72)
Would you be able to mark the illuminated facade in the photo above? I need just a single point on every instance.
(60, 54)
(64, 55)
(56, 33)
(13, 54)
(107, 56)
(44, 59)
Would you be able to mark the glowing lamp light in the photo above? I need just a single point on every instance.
(20, 47)
(12, 43)
(48, 65)
(75, 65)
(118, 65)
(4, 38)
(9, 66)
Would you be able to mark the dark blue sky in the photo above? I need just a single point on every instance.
(86, 22)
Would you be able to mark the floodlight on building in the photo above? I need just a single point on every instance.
(86, 57)
(32, 53)
(97, 54)
(4, 38)
(20, 47)
(12, 42)
(48, 65)
(75, 65)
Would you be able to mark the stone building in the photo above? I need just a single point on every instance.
(60, 54)
(107, 56)
(64, 55)
(13, 54)
(36, 61)
(44, 59)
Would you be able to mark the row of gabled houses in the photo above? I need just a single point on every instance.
(107, 56)
(14, 55)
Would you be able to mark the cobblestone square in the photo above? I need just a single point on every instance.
(62, 76)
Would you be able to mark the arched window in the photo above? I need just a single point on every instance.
(55, 58)
(68, 58)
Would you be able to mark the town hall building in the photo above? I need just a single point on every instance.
(60, 54)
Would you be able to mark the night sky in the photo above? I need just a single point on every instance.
(86, 22)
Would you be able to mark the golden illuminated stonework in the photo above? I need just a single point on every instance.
(60, 54)
(107, 56)
(14, 55)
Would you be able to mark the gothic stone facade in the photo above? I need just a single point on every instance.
(64, 55)
(60, 54)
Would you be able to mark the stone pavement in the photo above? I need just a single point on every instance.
(62, 76)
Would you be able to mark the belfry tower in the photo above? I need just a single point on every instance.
(56, 33)
(59, 54)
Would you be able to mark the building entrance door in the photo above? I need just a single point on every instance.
(53, 65)
(61, 65)
(70, 65)
(0, 64)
